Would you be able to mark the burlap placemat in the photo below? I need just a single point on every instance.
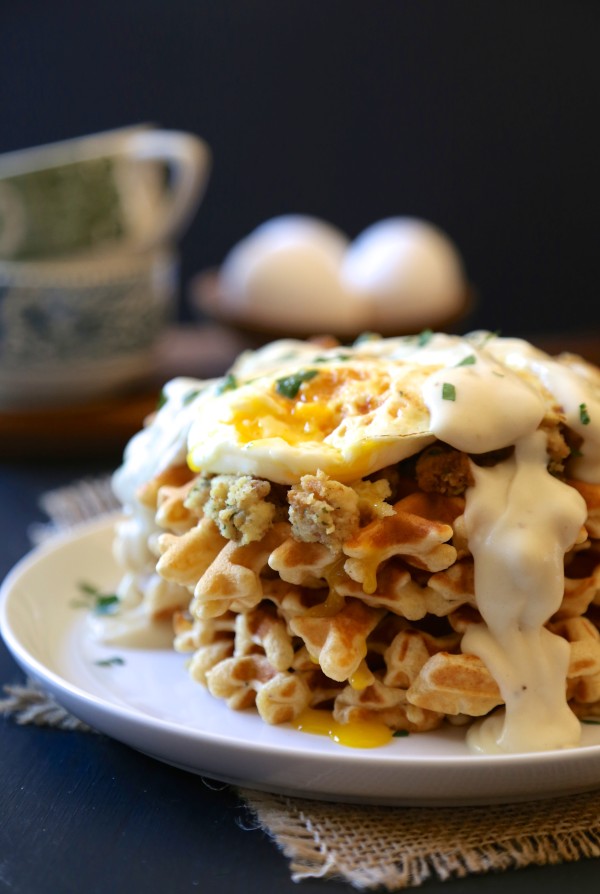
(391, 848)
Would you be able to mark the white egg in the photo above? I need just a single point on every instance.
(406, 271)
(285, 275)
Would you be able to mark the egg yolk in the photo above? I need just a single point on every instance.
(257, 418)
(361, 678)
(313, 412)
(357, 734)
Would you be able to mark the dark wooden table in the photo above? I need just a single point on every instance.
(80, 812)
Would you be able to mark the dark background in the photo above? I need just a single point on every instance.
(478, 116)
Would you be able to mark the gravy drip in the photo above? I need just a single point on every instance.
(520, 521)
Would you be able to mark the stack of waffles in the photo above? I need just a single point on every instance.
(348, 597)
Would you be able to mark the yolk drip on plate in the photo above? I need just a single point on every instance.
(356, 734)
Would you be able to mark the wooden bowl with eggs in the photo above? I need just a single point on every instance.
(296, 276)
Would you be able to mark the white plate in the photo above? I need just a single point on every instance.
(150, 703)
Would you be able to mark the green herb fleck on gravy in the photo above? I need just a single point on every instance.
(229, 383)
(191, 395)
(488, 336)
(584, 416)
(468, 361)
(448, 391)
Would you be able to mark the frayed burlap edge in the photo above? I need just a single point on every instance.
(72, 504)
(397, 848)
(26, 703)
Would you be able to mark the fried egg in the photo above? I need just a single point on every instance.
(346, 420)
(294, 409)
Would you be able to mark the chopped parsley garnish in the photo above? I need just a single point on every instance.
(106, 604)
(191, 395)
(116, 661)
(488, 336)
(448, 391)
(584, 416)
(332, 359)
(162, 399)
(591, 720)
(229, 383)
(424, 337)
(467, 361)
(289, 386)
(400, 734)
(102, 603)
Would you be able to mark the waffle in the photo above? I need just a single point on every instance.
(338, 642)
(455, 684)
(262, 628)
(171, 477)
(172, 512)
(238, 680)
(422, 542)
(185, 558)
(307, 564)
(232, 581)
(387, 704)
(461, 684)
(591, 495)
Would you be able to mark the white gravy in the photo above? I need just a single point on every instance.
(520, 521)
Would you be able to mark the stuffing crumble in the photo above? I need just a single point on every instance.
(198, 496)
(323, 511)
(237, 504)
(443, 470)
